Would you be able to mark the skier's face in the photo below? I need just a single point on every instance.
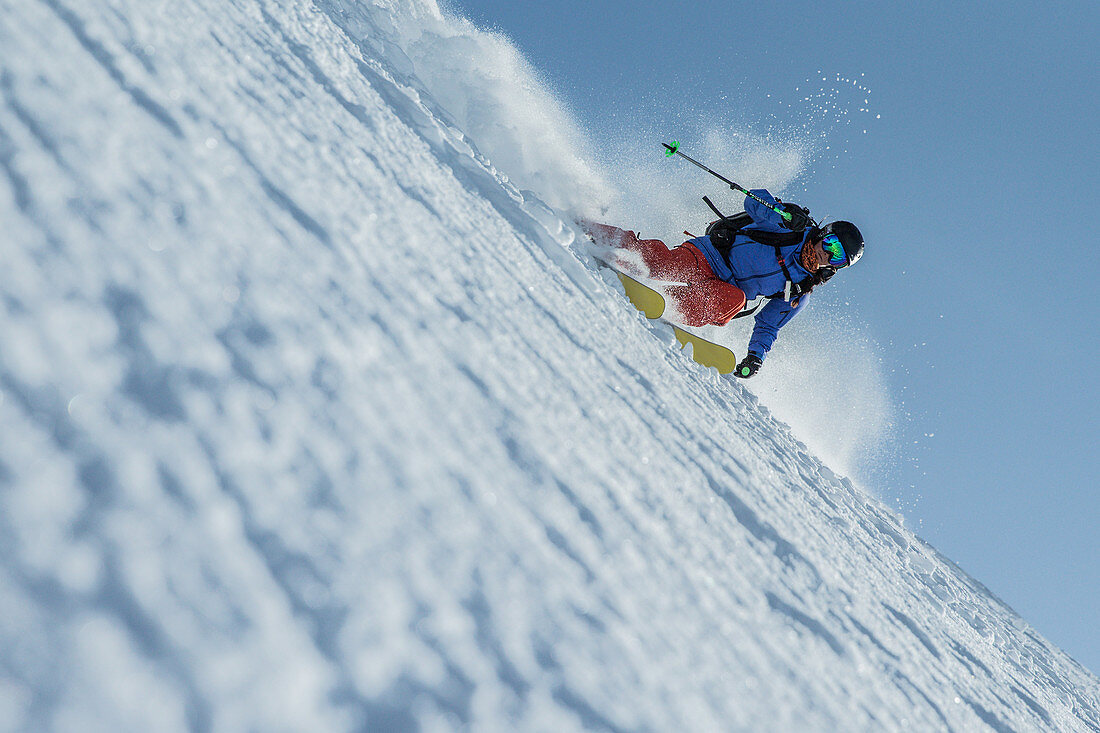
(817, 257)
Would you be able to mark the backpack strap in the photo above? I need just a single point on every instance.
(789, 285)
(713, 208)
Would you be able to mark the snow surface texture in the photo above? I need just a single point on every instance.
(311, 420)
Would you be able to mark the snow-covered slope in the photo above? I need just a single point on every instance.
(312, 420)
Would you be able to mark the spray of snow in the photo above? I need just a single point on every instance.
(823, 381)
(515, 118)
(487, 88)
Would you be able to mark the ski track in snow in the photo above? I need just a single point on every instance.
(313, 421)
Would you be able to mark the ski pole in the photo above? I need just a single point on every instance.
(674, 149)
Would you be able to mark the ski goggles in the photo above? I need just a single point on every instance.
(837, 256)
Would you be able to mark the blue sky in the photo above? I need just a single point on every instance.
(975, 185)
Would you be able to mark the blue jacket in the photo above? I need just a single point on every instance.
(753, 267)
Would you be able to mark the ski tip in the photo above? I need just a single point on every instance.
(704, 352)
(643, 297)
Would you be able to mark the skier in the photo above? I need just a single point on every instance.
(752, 255)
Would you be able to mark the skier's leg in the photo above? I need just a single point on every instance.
(607, 235)
(726, 301)
(710, 302)
(659, 261)
(702, 300)
(678, 265)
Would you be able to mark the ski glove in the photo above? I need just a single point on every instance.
(749, 366)
(800, 217)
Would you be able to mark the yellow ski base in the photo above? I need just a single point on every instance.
(706, 353)
(652, 304)
(645, 299)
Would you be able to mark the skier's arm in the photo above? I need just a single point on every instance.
(767, 219)
(769, 320)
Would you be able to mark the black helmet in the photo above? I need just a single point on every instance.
(850, 238)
